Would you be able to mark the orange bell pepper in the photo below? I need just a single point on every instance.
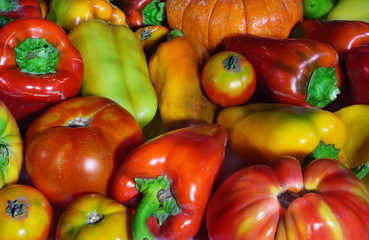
(175, 71)
(69, 13)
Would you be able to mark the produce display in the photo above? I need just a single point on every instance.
(184, 119)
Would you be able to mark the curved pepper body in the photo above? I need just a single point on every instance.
(22, 8)
(355, 118)
(356, 10)
(284, 66)
(342, 35)
(260, 133)
(115, 67)
(191, 158)
(175, 71)
(69, 13)
(25, 94)
(357, 66)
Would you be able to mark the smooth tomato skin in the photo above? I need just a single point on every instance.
(37, 221)
(65, 161)
(228, 87)
(115, 222)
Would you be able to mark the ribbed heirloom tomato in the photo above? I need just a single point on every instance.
(76, 146)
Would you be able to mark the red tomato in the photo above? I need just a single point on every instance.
(25, 213)
(76, 146)
(324, 200)
(95, 216)
(228, 79)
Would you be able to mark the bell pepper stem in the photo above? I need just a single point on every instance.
(156, 201)
(154, 13)
(174, 33)
(4, 153)
(5, 20)
(322, 151)
(36, 56)
(322, 88)
(7, 6)
(361, 171)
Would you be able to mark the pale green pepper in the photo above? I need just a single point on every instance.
(115, 67)
(357, 10)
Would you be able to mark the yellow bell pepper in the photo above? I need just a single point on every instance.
(115, 67)
(356, 120)
(261, 133)
(357, 10)
(69, 13)
(175, 71)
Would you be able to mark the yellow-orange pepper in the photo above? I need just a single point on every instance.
(175, 71)
(69, 13)
(356, 120)
(261, 133)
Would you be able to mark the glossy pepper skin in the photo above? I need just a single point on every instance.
(47, 75)
(358, 74)
(15, 9)
(356, 10)
(260, 133)
(190, 158)
(151, 37)
(342, 35)
(283, 201)
(175, 71)
(317, 8)
(115, 67)
(69, 13)
(356, 120)
(292, 71)
(140, 13)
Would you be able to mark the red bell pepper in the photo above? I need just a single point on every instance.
(300, 72)
(39, 67)
(342, 35)
(174, 173)
(140, 13)
(357, 68)
(20, 8)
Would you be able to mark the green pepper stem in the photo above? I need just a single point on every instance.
(36, 56)
(231, 62)
(5, 20)
(322, 87)
(6, 6)
(154, 13)
(155, 200)
(174, 33)
(361, 171)
(322, 151)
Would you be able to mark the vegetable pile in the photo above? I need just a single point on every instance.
(172, 119)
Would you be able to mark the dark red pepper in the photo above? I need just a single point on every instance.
(357, 68)
(301, 72)
(342, 35)
(140, 13)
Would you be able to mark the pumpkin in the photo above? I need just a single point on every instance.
(212, 21)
